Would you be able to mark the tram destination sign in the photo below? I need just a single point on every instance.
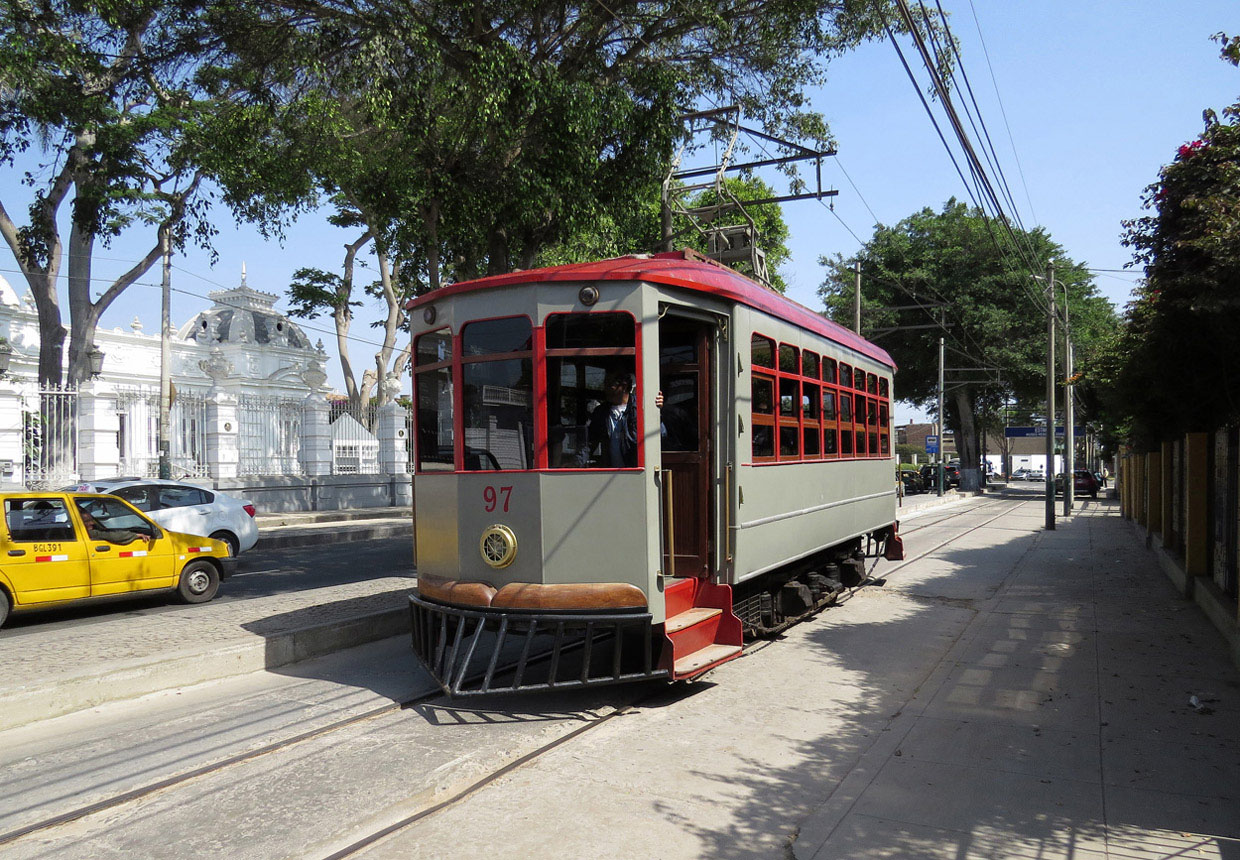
(1026, 432)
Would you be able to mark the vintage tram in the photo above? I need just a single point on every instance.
(623, 466)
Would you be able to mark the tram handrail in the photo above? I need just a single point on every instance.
(669, 521)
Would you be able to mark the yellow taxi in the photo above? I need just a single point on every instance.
(59, 547)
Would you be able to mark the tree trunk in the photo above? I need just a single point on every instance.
(82, 318)
(967, 440)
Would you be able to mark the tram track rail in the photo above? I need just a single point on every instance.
(134, 794)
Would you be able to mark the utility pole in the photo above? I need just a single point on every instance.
(165, 356)
(857, 300)
(1050, 397)
(1069, 451)
(939, 429)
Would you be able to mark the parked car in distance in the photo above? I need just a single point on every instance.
(1020, 474)
(912, 481)
(1083, 481)
(1035, 475)
(62, 547)
(186, 508)
(929, 476)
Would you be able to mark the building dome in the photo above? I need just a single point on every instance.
(244, 315)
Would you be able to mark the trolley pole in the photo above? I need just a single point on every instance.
(165, 356)
(1050, 397)
(857, 300)
(939, 429)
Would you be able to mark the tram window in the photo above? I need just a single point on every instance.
(871, 412)
(846, 408)
(678, 420)
(885, 441)
(828, 442)
(860, 450)
(884, 390)
(873, 444)
(846, 441)
(788, 398)
(434, 393)
(762, 351)
(859, 408)
(811, 438)
(809, 364)
(498, 393)
(491, 337)
(677, 346)
(434, 347)
(763, 392)
(789, 442)
(859, 379)
(789, 359)
(809, 401)
(845, 375)
(580, 331)
(828, 405)
(828, 370)
(882, 415)
(498, 406)
(763, 442)
(871, 383)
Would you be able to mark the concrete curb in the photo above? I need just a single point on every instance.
(295, 536)
(129, 680)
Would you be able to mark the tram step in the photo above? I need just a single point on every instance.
(690, 617)
(678, 595)
(700, 661)
(694, 629)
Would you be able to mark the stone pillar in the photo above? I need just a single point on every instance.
(316, 436)
(11, 448)
(393, 439)
(223, 428)
(223, 435)
(1196, 504)
(99, 454)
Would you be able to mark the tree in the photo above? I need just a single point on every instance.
(110, 93)
(1176, 365)
(505, 131)
(952, 267)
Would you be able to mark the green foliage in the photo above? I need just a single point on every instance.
(1176, 366)
(987, 302)
(768, 223)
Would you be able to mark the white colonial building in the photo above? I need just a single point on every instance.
(249, 408)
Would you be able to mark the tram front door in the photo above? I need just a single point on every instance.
(684, 379)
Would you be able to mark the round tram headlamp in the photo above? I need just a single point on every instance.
(588, 296)
(428, 314)
(498, 546)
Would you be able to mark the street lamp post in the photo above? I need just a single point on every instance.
(1050, 397)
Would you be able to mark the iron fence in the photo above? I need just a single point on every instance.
(137, 435)
(270, 440)
(50, 436)
(355, 439)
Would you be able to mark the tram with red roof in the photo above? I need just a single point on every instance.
(757, 471)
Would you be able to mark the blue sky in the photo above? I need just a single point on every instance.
(1098, 95)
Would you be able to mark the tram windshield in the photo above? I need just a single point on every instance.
(591, 391)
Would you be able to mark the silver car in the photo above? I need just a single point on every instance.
(186, 508)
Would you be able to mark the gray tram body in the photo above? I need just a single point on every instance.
(576, 528)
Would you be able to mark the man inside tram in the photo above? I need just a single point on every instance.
(612, 429)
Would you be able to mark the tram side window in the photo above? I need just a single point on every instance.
(591, 391)
(762, 403)
(497, 376)
(433, 394)
(846, 427)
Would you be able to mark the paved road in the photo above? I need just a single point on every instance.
(260, 574)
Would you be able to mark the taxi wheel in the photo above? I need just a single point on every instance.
(199, 582)
(4, 606)
(234, 546)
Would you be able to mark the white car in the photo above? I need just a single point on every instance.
(185, 508)
(1036, 475)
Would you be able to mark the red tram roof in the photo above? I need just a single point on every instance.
(678, 269)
